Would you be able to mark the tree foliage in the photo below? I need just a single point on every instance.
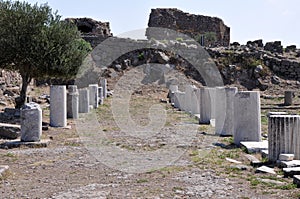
(35, 42)
(209, 38)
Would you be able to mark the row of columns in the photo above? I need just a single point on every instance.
(235, 112)
(63, 104)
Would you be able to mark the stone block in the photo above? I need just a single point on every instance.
(72, 102)
(191, 101)
(171, 94)
(84, 100)
(296, 180)
(289, 164)
(254, 147)
(225, 111)
(284, 136)
(31, 122)
(233, 161)
(276, 113)
(205, 105)
(265, 169)
(179, 100)
(103, 84)
(58, 106)
(10, 131)
(289, 172)
(18, 144)
(286, 157)
(93, 92)
(247, 121)
(253, 160)
(100, 96)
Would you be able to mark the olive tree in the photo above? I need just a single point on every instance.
(35, 42)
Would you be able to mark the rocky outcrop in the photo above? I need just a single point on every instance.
(274, 47)
(253, 65)
(212, 29)
(91, 30)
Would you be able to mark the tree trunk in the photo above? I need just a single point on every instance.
(20, 101)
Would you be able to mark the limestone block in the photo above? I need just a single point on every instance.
(296, 180)
(93, 92)
(100, 96)
(171, 94)
(286, 157)
(190, 98)
(212, 95)
(276, 113)
(179, 100)
(31, 122)
(247, 121)
(284, 136)
(289, 172)
(10, 131)
(58, 106)
(84, 100)
(72, 102)
(103, 84)
(225, 110)
(205, 106)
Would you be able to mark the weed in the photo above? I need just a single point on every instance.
(179, 39)
(141, 56)
(142, 181)
(264, 120)
(203, 128)
(287, 187)
(177, 188)
(9, 154)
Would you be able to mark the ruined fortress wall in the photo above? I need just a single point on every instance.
(91, 30)
(190, 24)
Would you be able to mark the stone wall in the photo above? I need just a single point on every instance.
(286, 68)
(250, 65)
(190, 24)
(92, 31)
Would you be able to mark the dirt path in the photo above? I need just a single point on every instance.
(70, 168)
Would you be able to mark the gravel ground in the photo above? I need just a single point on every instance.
(70, 168)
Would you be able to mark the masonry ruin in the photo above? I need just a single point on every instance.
(210, 31)
(91, 30)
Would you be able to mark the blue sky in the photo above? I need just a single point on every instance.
(249, 19)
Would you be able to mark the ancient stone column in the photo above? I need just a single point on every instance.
(190, 98)
(288, 98)
(84, 100)
(195, 101)
(31, 122)
(100, 95)
(212, 95)
(179, 99)
(247, 121)
(283, 136)
(58, 106)
(93, 92)
(225, 111)
(103, 84)
(205, 106)
(171, 94)
(72, 102)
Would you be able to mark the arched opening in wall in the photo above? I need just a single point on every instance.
(176, 66)
(85, 28)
